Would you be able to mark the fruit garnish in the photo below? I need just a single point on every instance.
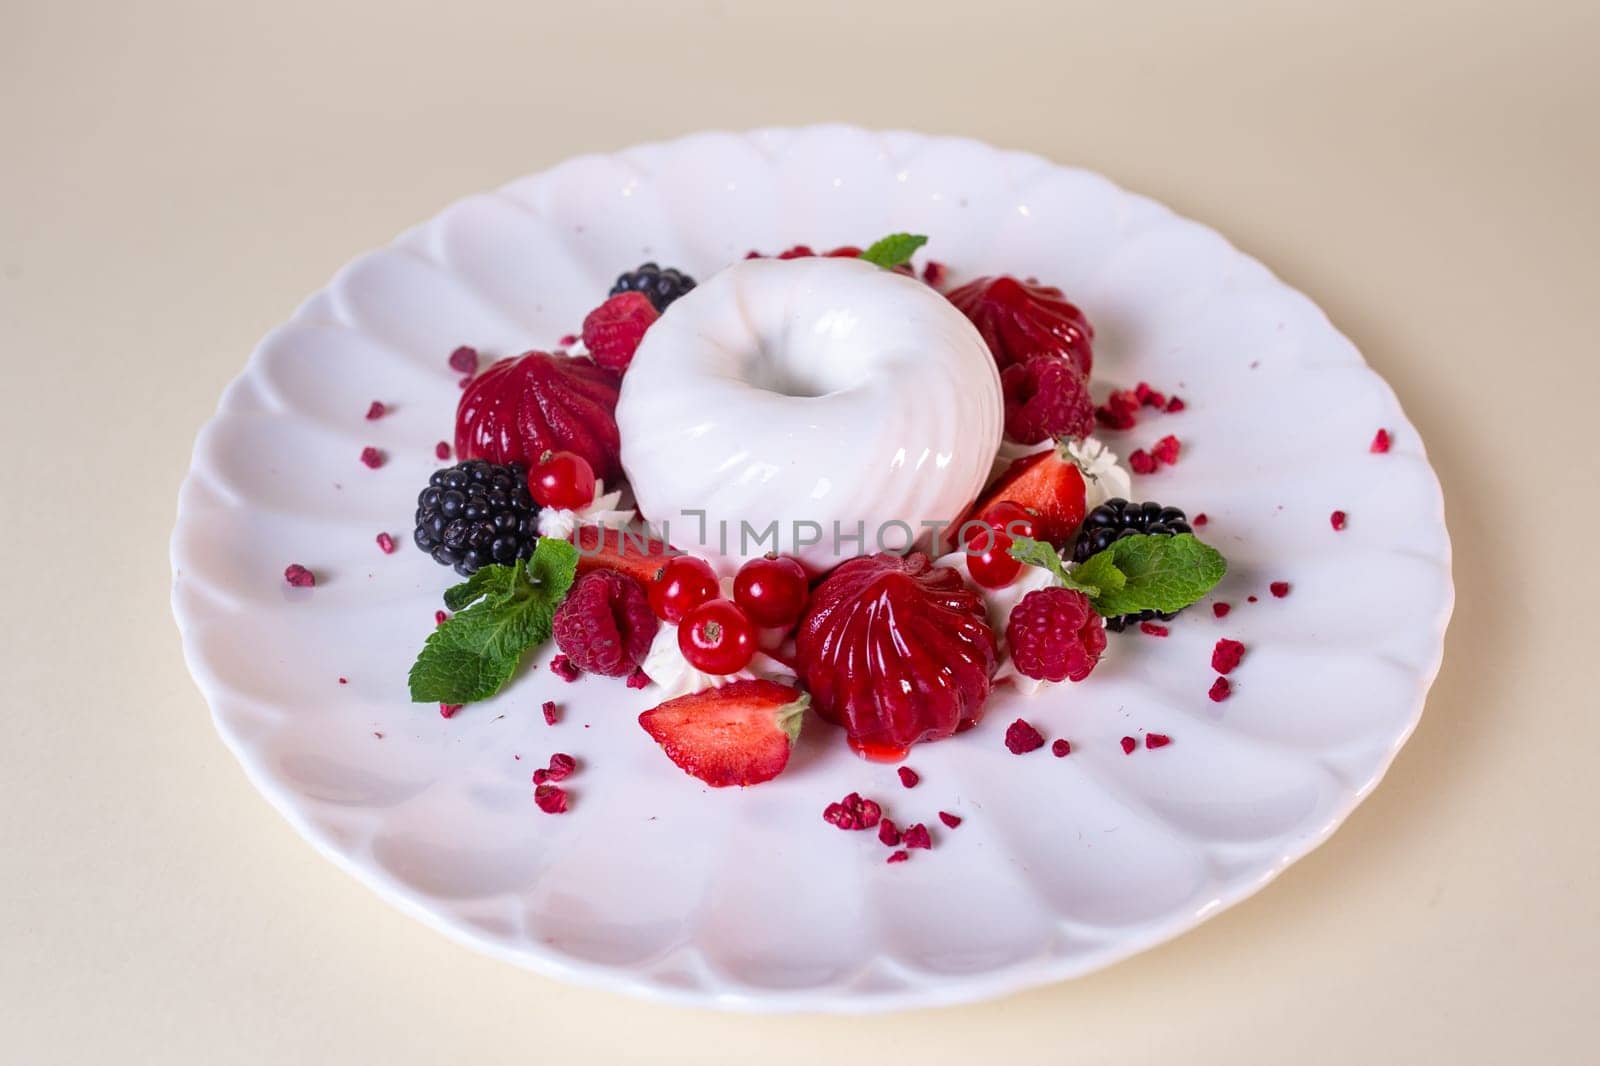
(989, 560)
(1046, 397)
(501, 612)
(520, 408)
(1050, 486)
(682, 584)
(476, 513)
(1021, 320)
(739, 734)
(613, 330)
(896, 651)
(1138, 572)
(604, 626)
(1118, 518)
(893, 250)
(636, 554)
(660, 287)
(1054, 634)
(563, 480)
(717, 637)
(773, 590)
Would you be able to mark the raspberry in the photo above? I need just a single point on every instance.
(1061, 748)
(378, 410)
(1380, 443)
(1046, 397)
(1165, 450)
(951, 820)
(933, 272)
(1280, 589)
(908, 777)
(638, 679)
(299, 577)
(1055, 635)
(916, 836)
(605, 624)
(464, 360)
(613, 330)
(1128, 744)
(1226, 655)
(1022, 738)
(1221, 689)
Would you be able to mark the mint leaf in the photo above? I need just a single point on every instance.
(1160, 573)
(502, 612)
(1099, 573)
(1039, 553)
(894, 249)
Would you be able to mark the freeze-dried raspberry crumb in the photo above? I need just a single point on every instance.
(386, 544)
(613, 330)
(1022, 738)
(441, 450)
(1221, 609)
(344, 681)
(1120, 411)
(1175, 405)
(1226, 655)
(299, 576)
(551, 799)
(1055, 634)
(605, 624)
(1061, 749)
(568, 340)
(1338, 520)
(638, 679)
(916, 836)
(462, 383)
(908, 776)
(549, 709)
(1380, 443)
(853, 812)
(1220, 690)
(1128, 744)
(1156, 740)
(1250, 599)
(1151, 629)
(448, 709)
(1165, 450)
(440, 618)
(897, 856)
(951, 820)
(1142, 462)
(888, 834)
(1200, 520)
(1046, 397)
(1149, 397)
(376, 411)
(1279, 589)
(464, 360)
(372, 458)
(562, 667)
(934, 272)
(561, 766)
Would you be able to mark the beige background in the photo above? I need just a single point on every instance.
(176, 176)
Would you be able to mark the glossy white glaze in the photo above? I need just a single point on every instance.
(822, 391)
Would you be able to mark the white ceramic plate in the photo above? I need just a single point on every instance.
(657, 886)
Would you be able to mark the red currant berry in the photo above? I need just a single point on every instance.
(989, 559)
(681, 585)
(772, 590)
(1011, 517)
(562, 480)
(717, 638)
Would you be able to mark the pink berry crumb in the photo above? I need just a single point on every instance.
(440, 618)
(1380, 443)
(551, 799)
(951, 820)
(446, 710)
(1337, 520)
(1251, 599)
(1150, 629)
(464, 360)
(1156, 740)
(561, 766)
(568, 340)
(908, 776)
(897, 856)
(386, 544)
(441, 450)
(299, 576)
(549, 709)
(1061, 749)
(1142, 462)
(1226, 655)
(888, 834)
(916, 836)
(344, 681)
(1280, 589)
(1220, 690)
(562, 667)
(1166, 450)
(1022, 738)
(1128, 744)
(638, 679)
(1175, 405)
(372, 458)
(1221, 609)
(1200, 520)
(376, 411)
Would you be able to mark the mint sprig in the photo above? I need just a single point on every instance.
(894, 249)
(501, 613)
(1144, 572)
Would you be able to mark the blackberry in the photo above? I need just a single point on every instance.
(660, 287)
(1117, 518)
(476, 513)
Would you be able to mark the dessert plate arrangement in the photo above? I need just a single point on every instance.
(1054, 797)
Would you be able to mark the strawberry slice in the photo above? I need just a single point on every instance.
(739, 734)
(635, 554)
(1049, 484)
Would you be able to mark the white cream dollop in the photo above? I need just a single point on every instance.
(606, 510)
(800, 395)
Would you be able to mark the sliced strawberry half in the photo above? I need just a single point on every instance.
(1049, 484)
(739, 734)
(635, 554)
